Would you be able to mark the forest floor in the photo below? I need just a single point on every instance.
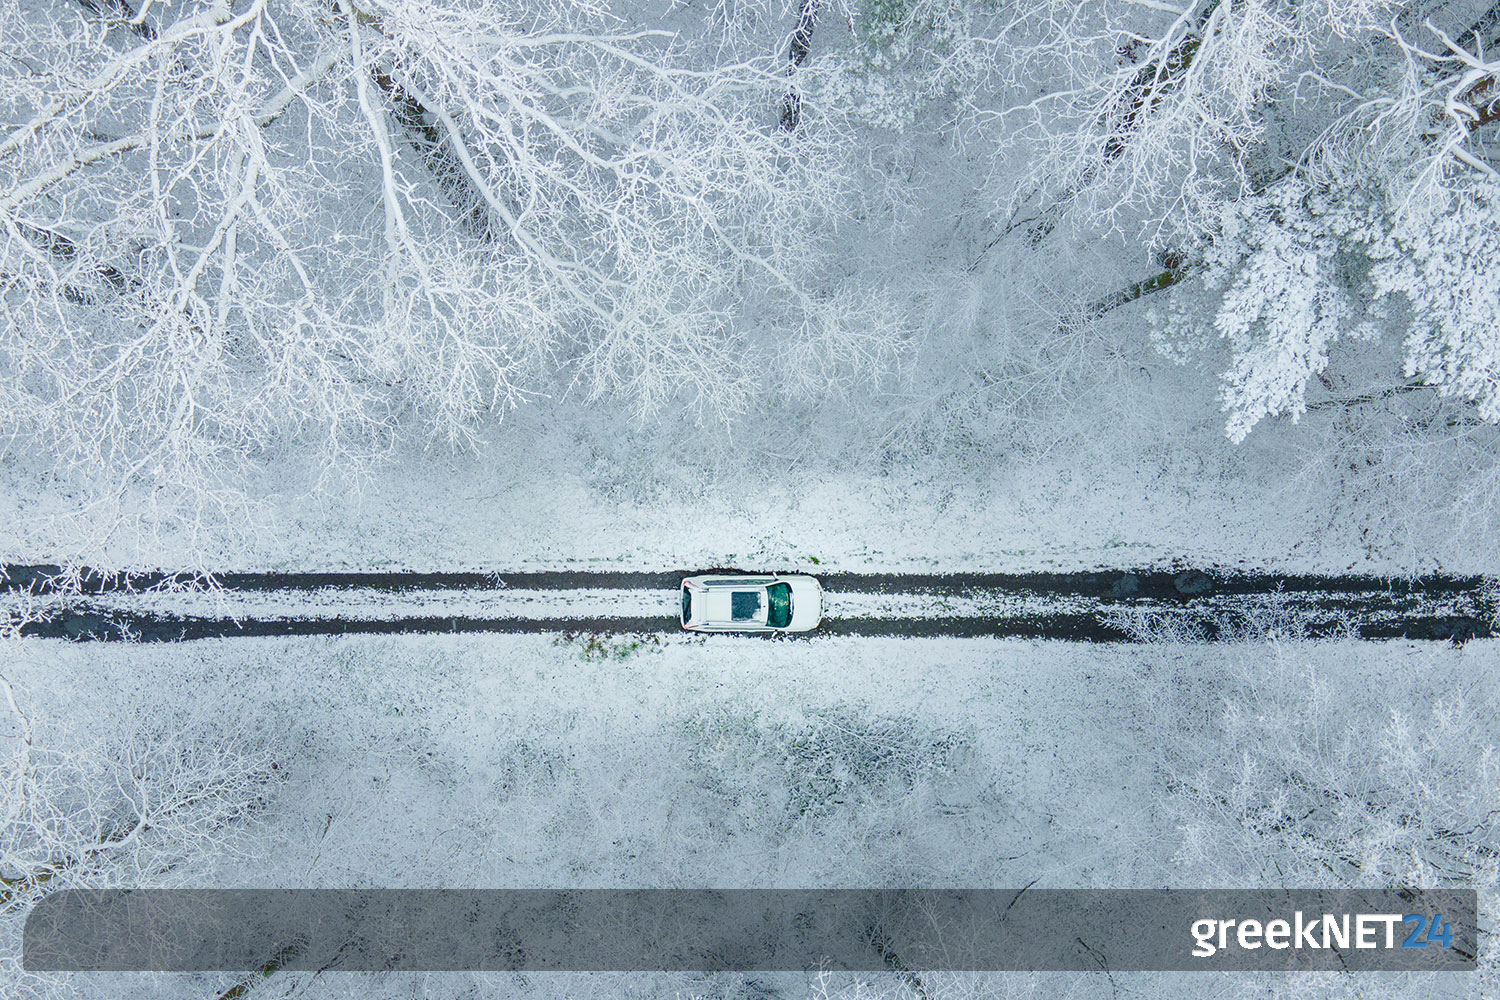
(516, 761)
(538, 497)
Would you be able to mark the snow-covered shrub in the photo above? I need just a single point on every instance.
(810, 767)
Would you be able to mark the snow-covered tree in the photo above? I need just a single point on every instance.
(1304, 266)
(1291, 780)
(1285, 297)
(118, 799)
(1386, 231)
(227, 226)
(1136, 115)
(1446, 266)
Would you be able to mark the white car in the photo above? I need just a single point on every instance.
(720, 602)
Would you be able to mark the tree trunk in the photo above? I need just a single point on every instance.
(1155, 283)
(119, 10)
(801, 45)
(427, 138)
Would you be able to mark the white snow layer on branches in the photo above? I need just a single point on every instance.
(1303, 267)
(291, 221)
(1447, 266)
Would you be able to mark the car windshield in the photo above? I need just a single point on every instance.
(780, 615)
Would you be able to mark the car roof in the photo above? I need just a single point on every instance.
(738, 607)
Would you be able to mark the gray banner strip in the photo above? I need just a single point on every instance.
(1121, 930)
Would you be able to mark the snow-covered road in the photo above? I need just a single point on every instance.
(1091, 607)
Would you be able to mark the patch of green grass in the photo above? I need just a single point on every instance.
(594, 647)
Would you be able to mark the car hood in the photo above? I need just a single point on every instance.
(807, 603)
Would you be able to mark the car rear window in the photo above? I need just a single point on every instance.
(780, 615)
(687, 605)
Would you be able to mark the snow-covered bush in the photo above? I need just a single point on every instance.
(807, 769)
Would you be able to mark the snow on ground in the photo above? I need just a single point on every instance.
(533, 500)
(536, 761)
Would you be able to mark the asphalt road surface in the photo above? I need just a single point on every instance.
(1119, 606)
